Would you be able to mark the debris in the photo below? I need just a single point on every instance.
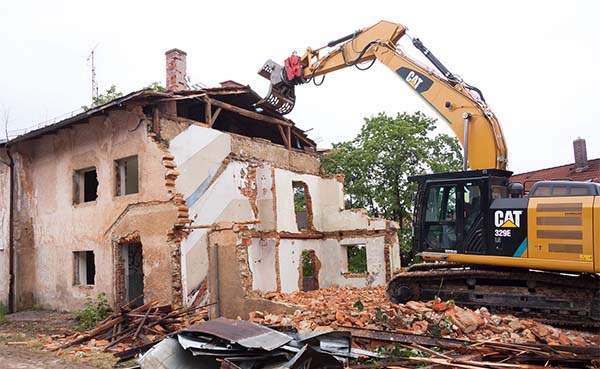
(369, 308)
(238, 343)
(132, 330)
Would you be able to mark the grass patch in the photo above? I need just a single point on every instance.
(93, 312)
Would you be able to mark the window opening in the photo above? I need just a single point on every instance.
(357, 258)
(86, 185)
(84, 268)
(300, 204)
(126, 179)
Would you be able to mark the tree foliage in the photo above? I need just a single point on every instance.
(378, 162)
(103, 98)
(156, 87)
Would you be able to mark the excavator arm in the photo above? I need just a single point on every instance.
(460, 105)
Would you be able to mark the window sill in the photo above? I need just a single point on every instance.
(84, 286)
(126, 195)
(84, 204)
(354, 275)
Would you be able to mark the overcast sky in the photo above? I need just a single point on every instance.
(535, 61)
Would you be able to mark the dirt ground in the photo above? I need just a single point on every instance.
(23, 336)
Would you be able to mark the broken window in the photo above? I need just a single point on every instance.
(300, 204)
(357, 258)
(126, 179)
(86, 185)
(84, 268)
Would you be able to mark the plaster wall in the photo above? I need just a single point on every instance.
(215, 189)
(327, 197)
(61, 227)
(332, 256)
(4, 232)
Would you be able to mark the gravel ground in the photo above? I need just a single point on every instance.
(24, 334)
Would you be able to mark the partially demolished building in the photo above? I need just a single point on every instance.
(178, 196)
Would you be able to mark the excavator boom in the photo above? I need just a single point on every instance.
(460, 105)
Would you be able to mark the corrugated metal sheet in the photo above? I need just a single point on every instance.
(242, 332)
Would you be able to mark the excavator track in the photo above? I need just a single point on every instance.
(554, 298)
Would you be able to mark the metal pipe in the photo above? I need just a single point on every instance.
(466, 119)
(217, 290)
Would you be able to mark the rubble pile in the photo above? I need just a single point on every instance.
(368, 308)
(131, 330)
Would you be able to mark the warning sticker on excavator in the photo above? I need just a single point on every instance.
(586, 257)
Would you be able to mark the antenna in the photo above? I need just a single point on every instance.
(94, 81)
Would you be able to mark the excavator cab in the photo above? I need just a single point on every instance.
(451, 213)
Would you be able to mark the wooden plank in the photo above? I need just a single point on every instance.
(139, 328)
(208, 113)
(155, 122)
(247, 113)
(214, 117)
(306, 141)
(282, 133)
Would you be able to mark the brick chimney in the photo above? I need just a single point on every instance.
(176, 65)
(580, 151)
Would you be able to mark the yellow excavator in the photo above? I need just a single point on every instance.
(485, 242)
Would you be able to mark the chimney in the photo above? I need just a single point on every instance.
(580, 152)
(176, 64)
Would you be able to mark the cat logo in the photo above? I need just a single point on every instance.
(413, 79)
(416, 80)
(507, 218)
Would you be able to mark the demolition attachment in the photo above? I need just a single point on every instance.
(281, 97)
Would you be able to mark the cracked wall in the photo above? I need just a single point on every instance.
(45, 246)
(226, 178)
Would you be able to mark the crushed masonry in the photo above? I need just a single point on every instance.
(336, 308)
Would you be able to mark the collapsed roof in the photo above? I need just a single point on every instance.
(230, 108)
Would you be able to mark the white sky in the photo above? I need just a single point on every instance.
(535, 61)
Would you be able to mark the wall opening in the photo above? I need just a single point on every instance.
(131, 273)
(301, 204)
(85, 183)
(357, 258)
(310, 270)
(84, 268)
(126, 176)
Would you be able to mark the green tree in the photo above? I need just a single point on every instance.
(378, 162)
(156, 87)
(106, 97)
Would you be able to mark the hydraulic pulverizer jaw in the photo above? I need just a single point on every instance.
(281, 97)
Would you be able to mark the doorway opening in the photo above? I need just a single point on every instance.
(130, 274)
(310, 270)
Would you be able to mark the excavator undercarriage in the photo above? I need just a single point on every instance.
(556, 298)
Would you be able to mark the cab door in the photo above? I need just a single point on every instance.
(453, 217)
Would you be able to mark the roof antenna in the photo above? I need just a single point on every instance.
(94, 81)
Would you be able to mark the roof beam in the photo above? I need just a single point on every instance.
(246, 113)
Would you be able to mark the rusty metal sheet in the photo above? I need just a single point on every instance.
(244, 333)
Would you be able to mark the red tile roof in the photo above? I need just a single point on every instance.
(564, 172)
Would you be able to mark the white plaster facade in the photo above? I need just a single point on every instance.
(219, 187)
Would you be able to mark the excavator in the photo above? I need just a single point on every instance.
(484, 241)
